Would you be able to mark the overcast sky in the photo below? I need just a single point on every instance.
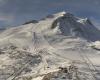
(16, 12)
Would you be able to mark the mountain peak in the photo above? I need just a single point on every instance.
(63, 13)
(70, 25)
(60, 13)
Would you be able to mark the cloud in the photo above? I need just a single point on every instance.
(2, 2)
(4, 17)
(6, 20)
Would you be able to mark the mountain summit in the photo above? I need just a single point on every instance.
(70, 25)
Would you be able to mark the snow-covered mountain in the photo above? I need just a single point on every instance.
(61, 23)
(46, 48)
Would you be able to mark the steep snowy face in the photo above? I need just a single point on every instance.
(70, 25)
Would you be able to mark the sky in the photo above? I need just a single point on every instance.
(17, 12)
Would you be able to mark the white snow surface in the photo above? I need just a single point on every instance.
(96, 44)
(31, 51)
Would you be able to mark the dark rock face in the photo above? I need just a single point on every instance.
(32, 21)
(70, 26)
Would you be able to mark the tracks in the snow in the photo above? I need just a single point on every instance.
(85, 58)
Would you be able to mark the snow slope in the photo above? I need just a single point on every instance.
(34, 50)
